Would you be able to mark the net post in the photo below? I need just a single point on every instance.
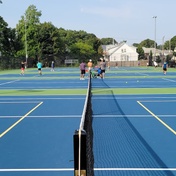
(80, 150)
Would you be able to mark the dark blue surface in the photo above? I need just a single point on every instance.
(126, 136)
(44, 139)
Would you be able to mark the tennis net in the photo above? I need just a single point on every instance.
(83, 139)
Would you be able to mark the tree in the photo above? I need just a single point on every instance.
(135, 44)
(140, 51)
(70, 38)
(3, 32)
(82, 51)
(150, 58)
(49, 42)
(173, 43)
(27, 30)
(108, 41)
(147, 43)
(167, 45)
(9, 43)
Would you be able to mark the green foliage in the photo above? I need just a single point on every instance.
(167, 45)
(150, 58)
(108, 41)
(140, 51)
(147, 43)
(82, 51)
(170, 44)
(135, 44)
(9, 42)
(27, 30)
(47, 42)
(74, 40)
(173, 43)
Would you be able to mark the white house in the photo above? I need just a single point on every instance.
(120, 52)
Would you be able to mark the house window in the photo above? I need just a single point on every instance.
(124, 57)
(123, 50)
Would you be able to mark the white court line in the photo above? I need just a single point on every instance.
(135, 169)
(41, 88)
(56, 82)
(48, 116)
(18, 121)
(98, 96)
(96, 169)
(36, 170)
(9, 82)
(156, 117)
(129, 116)
(160, 101)
(95, 116)
(142, 74)
(119, 97)
(40, 98)
(171, 80)
(18, 102)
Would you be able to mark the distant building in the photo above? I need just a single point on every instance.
(157, 52)
(120, 52)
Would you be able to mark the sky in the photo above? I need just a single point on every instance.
(130, 20)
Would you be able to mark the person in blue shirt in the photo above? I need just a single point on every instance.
(165, 68)
(99, 71)
(39, 66)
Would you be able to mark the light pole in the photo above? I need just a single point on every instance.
(26, 47)
(155, 39)
(163, 48)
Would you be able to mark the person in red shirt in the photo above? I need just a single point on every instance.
(22, 68)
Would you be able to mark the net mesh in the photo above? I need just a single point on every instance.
(86, 125)
(89, 139)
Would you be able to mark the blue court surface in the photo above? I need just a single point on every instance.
(36, 134)
(133, 134)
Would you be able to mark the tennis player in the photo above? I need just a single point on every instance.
(89, 65)
(22, 68)
(52, 66)
(82, 70)
(39, 66)
(165, 68)
(103, 68)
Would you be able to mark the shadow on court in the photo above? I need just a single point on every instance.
(117, 143)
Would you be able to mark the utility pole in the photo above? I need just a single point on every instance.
(26, 47)
(155, 39)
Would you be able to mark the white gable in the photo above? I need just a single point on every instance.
(121, 52)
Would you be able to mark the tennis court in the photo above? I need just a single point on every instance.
(133, 122)
(39, 115)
